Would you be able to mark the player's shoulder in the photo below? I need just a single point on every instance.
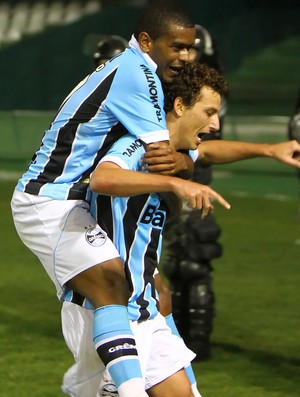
(129, 149)
(134, 70)
(128, 145)
(128, 140)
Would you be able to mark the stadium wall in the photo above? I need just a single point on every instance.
(38, 72)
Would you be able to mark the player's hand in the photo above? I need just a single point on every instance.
(287, 152)
(174, 204)
(198, 196)
(163, 159)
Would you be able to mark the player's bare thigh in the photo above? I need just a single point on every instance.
(177, 385)
(103, 284)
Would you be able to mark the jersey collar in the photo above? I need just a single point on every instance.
(133, 43)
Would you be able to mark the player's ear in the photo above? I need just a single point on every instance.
(145, 42)
(178, 106)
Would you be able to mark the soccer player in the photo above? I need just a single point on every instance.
(49, 204)
(135, 225)
(134, 217)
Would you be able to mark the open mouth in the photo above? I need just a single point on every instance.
(201, 135)
(198, 139)
(175, 70)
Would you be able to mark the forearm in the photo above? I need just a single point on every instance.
(221, 152)
(109, 179)
(124, 183)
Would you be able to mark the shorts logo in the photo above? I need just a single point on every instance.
(95, 236)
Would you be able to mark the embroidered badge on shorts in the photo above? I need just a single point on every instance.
(95, 236)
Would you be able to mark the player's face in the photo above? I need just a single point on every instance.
(171, 51)
(202, 118)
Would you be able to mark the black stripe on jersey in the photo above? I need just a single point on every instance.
(150, 263)
(116, 348)
(112, 136)
(67, 133)
(131, 217)
(77, 299)
(78, 190)
(104, 215)
(135, 206)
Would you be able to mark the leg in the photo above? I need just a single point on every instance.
(188, 369)
(177, 385)
(83, 378)
(68, 242)
(106, 287)
(103, 284)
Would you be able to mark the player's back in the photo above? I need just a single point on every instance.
(89, 121)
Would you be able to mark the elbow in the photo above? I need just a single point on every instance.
(99, 184)
(94, 185)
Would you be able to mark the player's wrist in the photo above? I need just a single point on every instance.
(269, 150)
(184, 165)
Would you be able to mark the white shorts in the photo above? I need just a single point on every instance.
(161, 353)
(63, 235)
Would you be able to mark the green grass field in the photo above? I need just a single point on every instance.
(256, 348)
(255, 342)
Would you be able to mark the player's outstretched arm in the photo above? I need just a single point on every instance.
(109, 179)
(220, 152)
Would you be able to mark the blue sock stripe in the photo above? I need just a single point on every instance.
(110, 321)
(190, 374)
(121, 373)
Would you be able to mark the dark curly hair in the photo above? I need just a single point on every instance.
(158, 15)
(189, 83)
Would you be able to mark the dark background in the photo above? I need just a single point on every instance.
(259, 44)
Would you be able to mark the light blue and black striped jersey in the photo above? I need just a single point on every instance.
(124, 95)
(135, 225)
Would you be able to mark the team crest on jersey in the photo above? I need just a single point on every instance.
(95, 236)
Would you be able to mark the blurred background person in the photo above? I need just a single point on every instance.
(192, 243)
(294, 122)
(294, 133)
(108, 47)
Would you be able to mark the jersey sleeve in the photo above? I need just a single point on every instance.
(136, 99)
(126, 153)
